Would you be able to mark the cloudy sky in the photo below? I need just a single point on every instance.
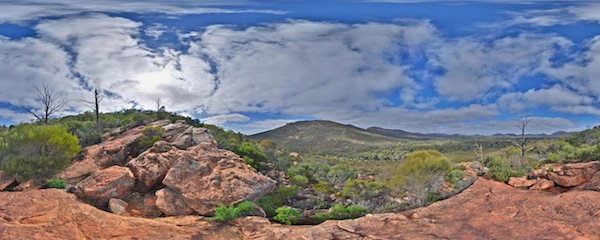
(441, 66)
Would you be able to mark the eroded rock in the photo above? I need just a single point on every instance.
(206, 176)
(102, 185)
(171, 203)
(520, 182)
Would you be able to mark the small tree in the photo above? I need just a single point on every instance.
(95, 104)
(420, 172)
(522, 143)
(37, 151)
(51, 100)
(481, 157)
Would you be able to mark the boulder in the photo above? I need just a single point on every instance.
(151, 166)
(542, 184)
(171, 203)
(118, 206)
(102, 185)
(593, 183)
(206, 176)
(31, 184)
(5, 180)
(92, 158)
(520, 182)
(572, 175)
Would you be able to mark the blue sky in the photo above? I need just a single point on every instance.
(471, 67)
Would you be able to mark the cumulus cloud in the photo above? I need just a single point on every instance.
(477, 68)
(28, 10)
(557, 97)
(224, 118)
(302, 67)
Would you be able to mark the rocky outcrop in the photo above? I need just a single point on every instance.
(542, 184)
(520, 182)
(118, 206)
(171, 203)
(5, 180)
(102, 185)
(572, 175)
(486, 210)
(151, 166)
(206, 176)
(115, 151)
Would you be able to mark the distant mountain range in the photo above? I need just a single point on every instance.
(404, 134)
(329, 137)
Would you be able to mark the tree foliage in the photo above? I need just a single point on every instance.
(421, 172)
(30, 151)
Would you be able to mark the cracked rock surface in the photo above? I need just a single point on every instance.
(486, 210)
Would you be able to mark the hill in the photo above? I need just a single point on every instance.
(397, 133)
(326, 137)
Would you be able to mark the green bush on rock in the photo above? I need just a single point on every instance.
(287, 215)
(233, 211)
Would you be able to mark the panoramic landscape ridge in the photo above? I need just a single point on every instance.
(261, 119)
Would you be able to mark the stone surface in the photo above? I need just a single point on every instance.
(102, 185)
(572, 175)
(118, 206)
(171, 203)
(5, 180)
(206, 176)
(486, 210)
(520, 182)
(151, 166)
(115, 151)
(542, 184)
(594, 182)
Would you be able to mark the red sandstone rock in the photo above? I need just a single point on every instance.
(102, 185)
(151, 166)
(118, 206)
(206, 176)
(520, 182)
(5, 180)
(171, 203)
(542, 184)
(486, 210)
(571, 175)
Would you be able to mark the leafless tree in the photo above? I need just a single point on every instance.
(53, 102)
(159, 108)
(522, 143)
(479, 151)
(95, 104)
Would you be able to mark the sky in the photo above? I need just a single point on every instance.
(468, 67)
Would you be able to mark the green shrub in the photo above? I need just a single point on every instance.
(287, 215)
(339, 212)
(554, 158)
(299, 180)
(248, 149)
(364, 189)
(455, 176)
(268, 204)
(339, 173)
(150, 136)
(500, 169)
(323, 187)
(233, 211)
(56, 183)
(32, 151)
(421, 172)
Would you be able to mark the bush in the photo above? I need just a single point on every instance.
(299, 180)
(340, 173)
(32, 151)
(227, 213)
(455, 176)
(421, 172)
(150, 136)
(287, 215)
(339, 212)
(364, 189)
(268, 204)
(56, 183)
(500, 169)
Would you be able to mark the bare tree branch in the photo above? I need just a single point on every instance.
(52, 103)
(95, 105)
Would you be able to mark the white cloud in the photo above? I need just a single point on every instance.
(225, 118)
(557, 97)
(261, 125)
(304, 68)
(26, 10)
(477, 68)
